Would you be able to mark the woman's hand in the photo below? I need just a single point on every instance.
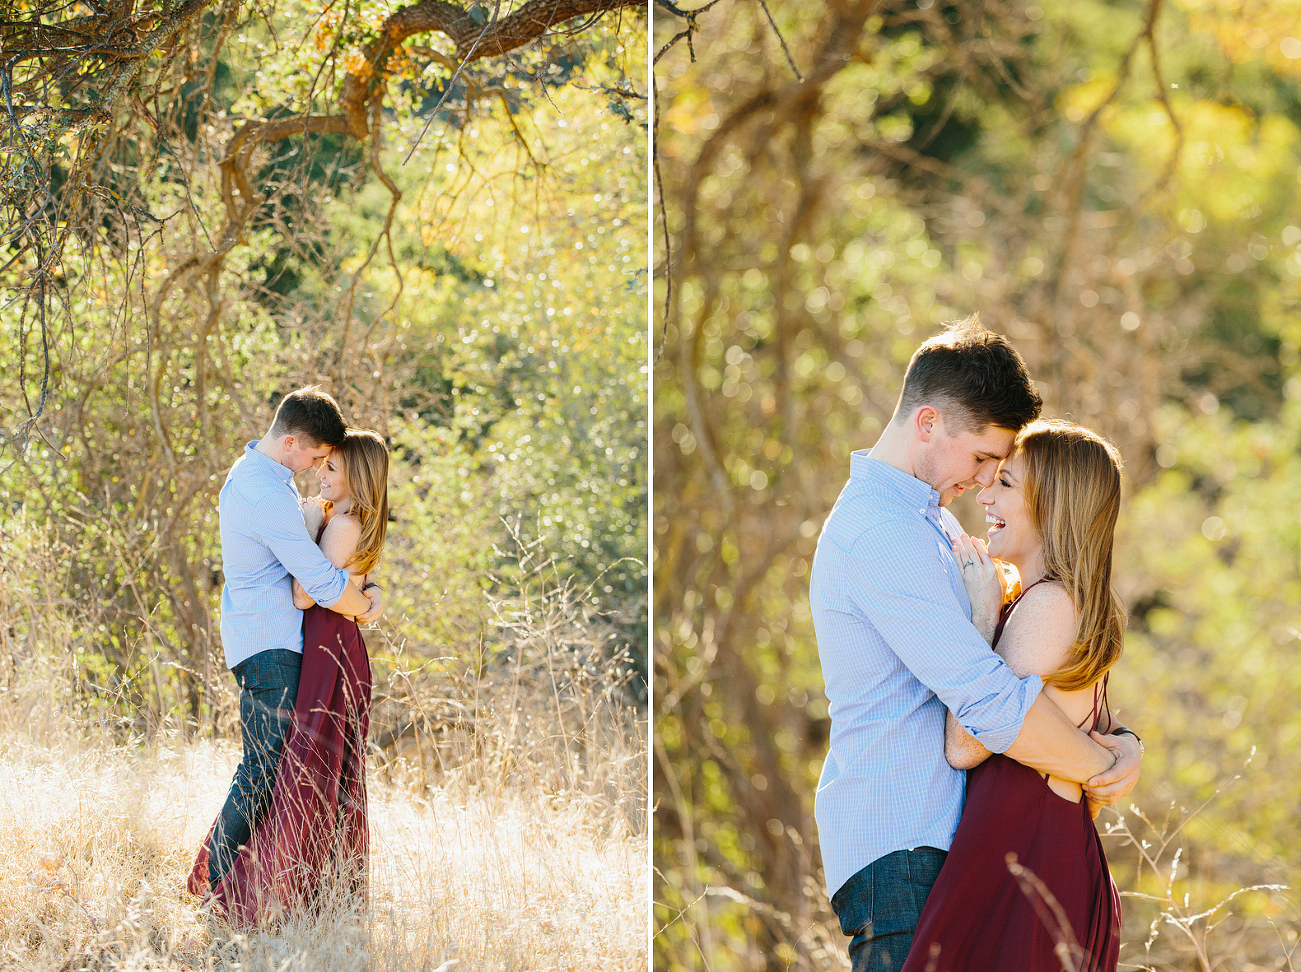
(983, 581)
(313, 515)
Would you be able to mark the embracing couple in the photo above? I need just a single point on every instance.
(292, 833)
(926, 718)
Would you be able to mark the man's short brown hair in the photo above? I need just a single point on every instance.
(311, 415)
(974, 375)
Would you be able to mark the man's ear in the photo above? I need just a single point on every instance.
(927, 422)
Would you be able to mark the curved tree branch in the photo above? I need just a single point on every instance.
(474, 40)
(363, 89)
(71, 89)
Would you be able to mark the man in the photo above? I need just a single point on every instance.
(264, 545)
(897, 647)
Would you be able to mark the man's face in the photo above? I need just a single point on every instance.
(299, 455)
(953, 461)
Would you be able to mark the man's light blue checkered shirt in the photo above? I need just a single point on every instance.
(264, 544)
(897, 649)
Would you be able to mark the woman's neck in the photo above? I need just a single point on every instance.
(1031, 568)
(342, 506)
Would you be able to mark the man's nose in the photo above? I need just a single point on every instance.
(985, 474)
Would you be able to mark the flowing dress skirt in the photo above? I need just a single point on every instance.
(313, 839)
(980, 917)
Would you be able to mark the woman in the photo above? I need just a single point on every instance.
(1052, 512)
(313, 837)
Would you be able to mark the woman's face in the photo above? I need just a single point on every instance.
(1011, 534)
(334, 484)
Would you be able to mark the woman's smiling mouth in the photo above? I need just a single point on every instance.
(995, 524)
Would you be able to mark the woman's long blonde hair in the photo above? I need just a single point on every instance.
(1072, 493)
(363, 457)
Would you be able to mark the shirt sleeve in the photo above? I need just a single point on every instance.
(282, 529)
(899, 580)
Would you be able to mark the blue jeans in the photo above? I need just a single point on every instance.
(268, 683)
(880, 905)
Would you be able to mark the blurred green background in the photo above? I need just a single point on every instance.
(1115, 186)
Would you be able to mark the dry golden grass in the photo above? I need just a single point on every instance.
(97, 841)
(507, 784)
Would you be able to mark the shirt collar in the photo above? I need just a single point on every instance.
(911, 491)
(264, 462)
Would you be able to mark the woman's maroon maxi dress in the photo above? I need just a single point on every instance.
(313, 837)
(978, 918)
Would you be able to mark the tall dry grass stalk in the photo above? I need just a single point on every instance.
(1176, 917)
(507, 802)
(546, 697)
(1192, 920)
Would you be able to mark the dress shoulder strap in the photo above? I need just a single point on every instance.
(1100, 704)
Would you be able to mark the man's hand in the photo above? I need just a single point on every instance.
(1110, 787)
(377, 608)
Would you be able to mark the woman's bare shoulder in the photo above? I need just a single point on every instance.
(1039, 633)
(345, 523)
(1049, 595)
(339, 541)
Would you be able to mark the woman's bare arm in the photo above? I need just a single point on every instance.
(1039, 641)
(1039, 634)
(338, 543)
